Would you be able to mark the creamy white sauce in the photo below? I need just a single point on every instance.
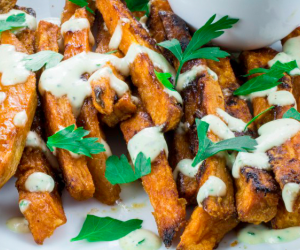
(54, 20)
(30, 20)
(290, 193)
(107, 148)
(12, 66)
(116, 84)
(20, 119)
(65, 78)
(291, 52)
(229, 158)
(218, 127)
(182, 128)
(262, 93)
(24, 205)
(214, 186)
(140, 239)
(258, 160)
(34, 140)
(143, 21)
(18, 225)
(271, 134)
(2, 97)
(234, 124)
(77, 24)
(150, 141)
(39, 182)
(185, 167)
(174, 94)
(257, 234)
(282, 98)
(116, 37)
(275, 133)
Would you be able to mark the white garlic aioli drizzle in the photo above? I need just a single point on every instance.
(290, 192)
(116, 84)
(140, 239)
(24, 205)
(20, 119)
(282, 98)
(234, 124)
(271, 134)
(12, 66)
(34, 140)
(18, 225)
(39, 182)
(218, 127)
(2, 97)
(185, 167)
(291, 52)
(54, 20)
(116, 37)
(149, 141)
(187, 77)
(214, 186)
(77, 24)
(30, 20)
(65, 78)
(106, 147)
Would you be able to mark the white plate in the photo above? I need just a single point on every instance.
(134, 204)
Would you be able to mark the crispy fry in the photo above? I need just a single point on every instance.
(58, 113)
(163, 109)
(204, 232)
(256, 196)
(104, 190)
(19, 97)
(27, 37)
(6, 5)
(45, 212)
(159, 184)
(259, 59)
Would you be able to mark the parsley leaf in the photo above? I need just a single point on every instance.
(292, 113)
(36, 61)
(268, 80)
(207, 148)
(82, 3)
(111, 52)
(164, 79)
(13, 21)
(119, 171)
(201, 37)
(138, 5)
(72, 140)
(255, 117)
(106, 228)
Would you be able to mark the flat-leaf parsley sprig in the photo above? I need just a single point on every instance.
(82, 3)
(119, 171)
(164, 79)
(48, 58)
(72, 140)
(12, 22)
(292, 113)
(106, 228)
(201, 37)
(268, 79)
(207, 148)
(138, 5)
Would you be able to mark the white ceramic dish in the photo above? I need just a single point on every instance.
(134, 204)
(262, 22)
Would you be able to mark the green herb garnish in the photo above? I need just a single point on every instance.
(138, 5)
(255, 117)
(111, 52)
(48, 58)
(72, 140)
(292, 113)
(201, 37)
(269, 78)
(207, 148)
(13, 21)
(164, 79)
(140, 242)
(82, 3)
(119, 171)
(251, 233)
(106, 228)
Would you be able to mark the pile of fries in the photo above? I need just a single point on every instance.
(254, 197)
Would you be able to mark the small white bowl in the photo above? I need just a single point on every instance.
(262, 22)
